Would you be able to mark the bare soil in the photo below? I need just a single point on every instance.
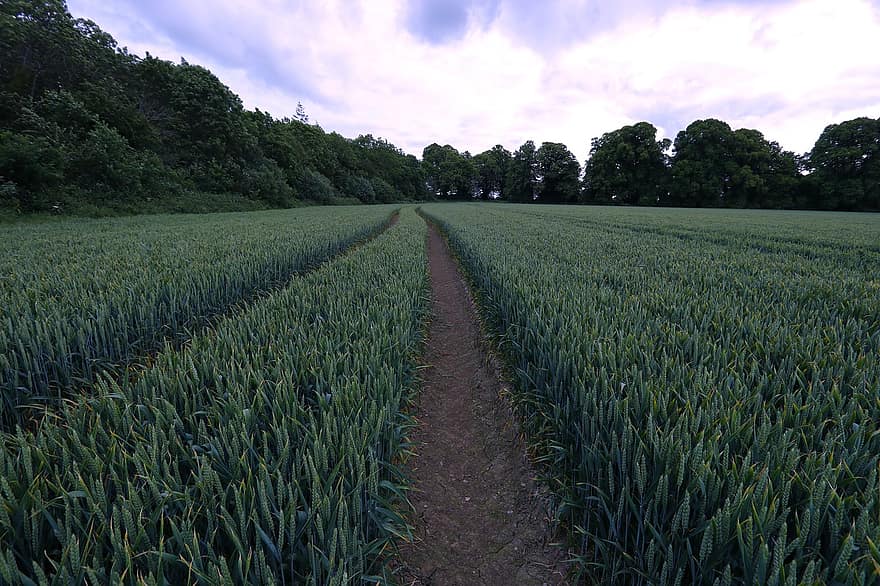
(479, 515)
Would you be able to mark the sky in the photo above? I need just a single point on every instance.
(475, 73)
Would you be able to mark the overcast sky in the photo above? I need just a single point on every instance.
(474, 73)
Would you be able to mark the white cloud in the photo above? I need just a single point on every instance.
(787, 69)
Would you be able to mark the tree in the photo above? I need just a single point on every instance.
(703, 164)
(39, 42)
(448, 173)
(433, 164)
(767, 176)
(378, 157)
(278, 140)
(558, 174)
(491, 169)
(522, 176)
(109, 126)
(301, 113)
(627, 166)
(715, 166)
(846, 159)
(29, 165)
(361, 188)
(465, 177)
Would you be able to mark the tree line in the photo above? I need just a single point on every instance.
(85, 122)
(86, 125)
(707, 165)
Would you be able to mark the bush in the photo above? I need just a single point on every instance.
(359, 187)
(60, 111)
(316, 187)
(8, 193)
(385, 193)
(104, 159)
(266, 182)
(31, 164)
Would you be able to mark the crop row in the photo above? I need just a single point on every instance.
(83, 297)
(707, 414)
(262, 452)
(839, 239)
(816, 229)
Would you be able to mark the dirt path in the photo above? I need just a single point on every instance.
(479, 515)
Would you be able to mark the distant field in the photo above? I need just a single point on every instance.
(703, 384)
(222, 397)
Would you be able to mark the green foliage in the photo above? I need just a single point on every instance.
(383, 190)
(492, 167)
(42, 47)
(154, 130)
(82, 298)
(383, 161)
(83, 203)
(262, 453)
(316, 187)
(360, 188)
(559, 174)
(8, 191)
(717, 167)
(627, 166)
(118, 132)
(266, 182)
(703, 164)
(448, 173)
(846, 159)
(30, 165)
(106, 161)
(522, 175)
(711, 166)
(700, 385)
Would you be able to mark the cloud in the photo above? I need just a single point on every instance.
(546, 26)
(473, 73)
(444, 21)
(221, 35)
(438, 20)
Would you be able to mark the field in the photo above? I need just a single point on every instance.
(226, 398)
(84, 297)
(703, 386)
